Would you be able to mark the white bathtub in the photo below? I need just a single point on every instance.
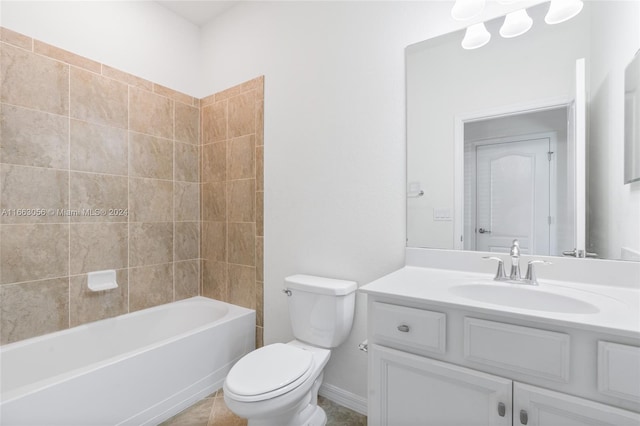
(138, 368)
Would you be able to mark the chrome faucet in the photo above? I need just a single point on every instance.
(515, 277)
(515, 261)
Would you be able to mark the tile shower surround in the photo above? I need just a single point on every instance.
(77, 136)
(232, 197)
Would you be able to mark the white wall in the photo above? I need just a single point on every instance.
(614, 208)
(139, 37)
(334, 140)
(334, 143)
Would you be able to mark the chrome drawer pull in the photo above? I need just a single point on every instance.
(403, 328)
(524, 417)
(501, 409)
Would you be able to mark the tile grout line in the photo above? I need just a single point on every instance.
(94, 122)
(173, 202)
(80, 274)
(199, 140)
(255, 212)
(68, 189)
(1, 228)
(227, 296)
(128, 201)
(200, 180)
(211, 419)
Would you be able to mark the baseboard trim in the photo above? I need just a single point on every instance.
(345, 398)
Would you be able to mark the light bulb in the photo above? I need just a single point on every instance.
(463, 10)
(516, 23)
(476, 36)
(562, 10)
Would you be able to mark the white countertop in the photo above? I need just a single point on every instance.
(617, 309)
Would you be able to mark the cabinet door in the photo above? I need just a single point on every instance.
(540, 407)
(410, 390)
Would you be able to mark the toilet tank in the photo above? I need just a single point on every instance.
(321, 309)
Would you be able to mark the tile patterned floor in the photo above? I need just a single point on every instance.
(212, 411)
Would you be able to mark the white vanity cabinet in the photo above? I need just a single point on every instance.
(412, 390)
(438, 366)
(535, 406)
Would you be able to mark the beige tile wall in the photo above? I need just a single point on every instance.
(232, 237)
(76, 134)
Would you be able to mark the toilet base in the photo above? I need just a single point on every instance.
(310, 416)
(305, 413)
(318, 418)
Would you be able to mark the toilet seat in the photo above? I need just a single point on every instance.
(269, 372)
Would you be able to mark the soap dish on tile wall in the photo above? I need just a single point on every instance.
(102, 280)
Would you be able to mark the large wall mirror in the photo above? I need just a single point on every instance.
(524, 138)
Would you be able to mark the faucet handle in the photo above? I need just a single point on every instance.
(531, 277)
(515, 249)
(500, 275)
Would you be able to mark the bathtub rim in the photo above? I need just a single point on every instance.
(233, 312)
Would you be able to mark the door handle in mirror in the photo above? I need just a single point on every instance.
(579, 253)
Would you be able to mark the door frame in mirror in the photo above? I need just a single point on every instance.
(458, 150)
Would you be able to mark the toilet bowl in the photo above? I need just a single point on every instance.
(275, 398)
(277, 385)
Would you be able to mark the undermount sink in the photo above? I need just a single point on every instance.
(524, 297)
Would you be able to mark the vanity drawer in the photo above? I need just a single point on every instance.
(525, 350)
(409, 327)
(619, 371)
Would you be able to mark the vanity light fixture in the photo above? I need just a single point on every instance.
(476, 36)
(516, 23)
(463, 10)
(562, 10)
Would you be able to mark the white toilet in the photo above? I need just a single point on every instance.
(277, 385)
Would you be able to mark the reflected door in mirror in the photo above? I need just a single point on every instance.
(512, 183)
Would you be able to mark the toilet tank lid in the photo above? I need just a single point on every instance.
(320, 285)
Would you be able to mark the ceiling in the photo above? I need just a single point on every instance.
(198, 12)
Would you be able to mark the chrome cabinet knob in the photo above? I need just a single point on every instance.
(484, 231)
(502, 409)
(403, 328)
(524, 417)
